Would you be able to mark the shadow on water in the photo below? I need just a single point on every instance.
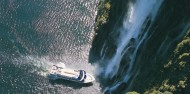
(68, 83)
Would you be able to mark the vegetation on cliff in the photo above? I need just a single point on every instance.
(179, 68)
(174, 75)
(103, 13)
(165, 77)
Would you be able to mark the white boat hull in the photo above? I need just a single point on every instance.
(79, 76)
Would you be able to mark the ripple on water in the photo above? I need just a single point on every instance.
(50, 31)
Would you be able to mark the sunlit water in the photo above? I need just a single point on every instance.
(36, 34)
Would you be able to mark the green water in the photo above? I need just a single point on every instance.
(35, 34)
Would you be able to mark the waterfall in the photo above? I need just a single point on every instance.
(135, 48)
(136, 16)
(136, 23)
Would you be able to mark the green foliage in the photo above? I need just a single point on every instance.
(153, 91)
(167, 92)
(133, 92)
(174, 74)
(181, 45)
(171, 76)
(182, 64)
(182, 83)
(179, 65)
(107, 5)
(103, 13)
(168, 64)
(166, 86)
(184, 55)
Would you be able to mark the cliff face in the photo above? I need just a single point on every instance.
(162, 59)
(113, 18)
(165, 67)
(172, 75)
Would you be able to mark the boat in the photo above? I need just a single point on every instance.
(80, 76)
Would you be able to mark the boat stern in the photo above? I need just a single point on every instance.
(89, 78)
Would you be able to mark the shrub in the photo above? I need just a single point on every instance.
(133, 92)
(107, 6)
(103, 13)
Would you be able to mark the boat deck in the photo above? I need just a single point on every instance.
(65, 72)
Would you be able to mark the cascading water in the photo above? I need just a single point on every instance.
(131, 29)
(136, 16)
(142, 35)
(35, 34)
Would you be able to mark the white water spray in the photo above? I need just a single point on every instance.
(136, 16)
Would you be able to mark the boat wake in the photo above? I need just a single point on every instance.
(38, 65)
